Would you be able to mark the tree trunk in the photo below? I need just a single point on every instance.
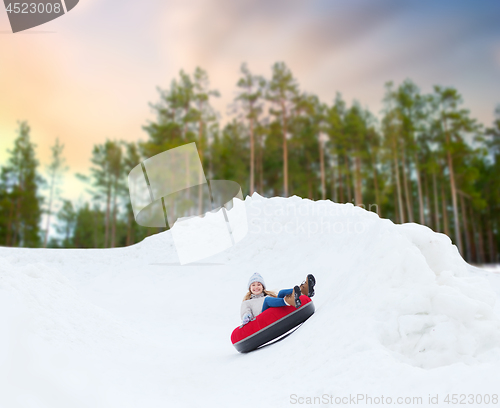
(285, 153)
(45, 239)
(398, 183)
(491, 244)
(68, 231)
(427, 208)
(445, 212)
(419, 189)
(341, 187)
(357, 192)
(129, 230)
(113, 227)
(76, 242)
(468, 252)
(96, 215)
(252, 156)
(482, 252)
(200, 174)
(454, 202)
(375, 184)
(184, 130)
(396, 207)
(49, 212)
(261, 165)
(453, 189)
(322, 167)
(187, 192)
(334, 187)
(408, 196)
(17, 236)
(494, 247)
(210, 164)
(9, 224)
(474, 249)
(436, 203)
(106, 222)
(348, 177)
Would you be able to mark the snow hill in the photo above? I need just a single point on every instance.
(399, 313)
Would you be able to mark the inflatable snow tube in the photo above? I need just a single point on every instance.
(270, 324)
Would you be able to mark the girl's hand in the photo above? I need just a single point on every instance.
(247, 318)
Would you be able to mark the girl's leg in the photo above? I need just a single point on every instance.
(283, 292)
(270, 301)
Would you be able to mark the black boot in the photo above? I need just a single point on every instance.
(293, 298)
(307, 287)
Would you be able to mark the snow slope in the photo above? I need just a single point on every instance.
(398, 313)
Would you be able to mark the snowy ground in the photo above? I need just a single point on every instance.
(398, 314)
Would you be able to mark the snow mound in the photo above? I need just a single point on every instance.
(398, 312)
(53, 308)
(403, 287)
(441, 313)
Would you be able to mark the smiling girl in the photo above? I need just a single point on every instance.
(259, 299)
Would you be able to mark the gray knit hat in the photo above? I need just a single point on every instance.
(256, 278)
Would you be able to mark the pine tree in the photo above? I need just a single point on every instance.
(390, 130)
(106, 180)
(281, 92)
(356, 128)
(334, 127)
(55, 171)
(454, 124)
(134, 232)
(67, 219)
(232, 151)
(305, 147)
(410, 110)
(204, 114)
(251, 94)
(89, 227)
(21, 205)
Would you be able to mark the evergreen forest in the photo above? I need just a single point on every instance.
(423, 159)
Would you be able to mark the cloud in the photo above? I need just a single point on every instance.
(209, 31)
(94, 77)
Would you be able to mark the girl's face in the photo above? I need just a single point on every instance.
(256, 288)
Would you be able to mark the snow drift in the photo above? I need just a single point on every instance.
(397, 311)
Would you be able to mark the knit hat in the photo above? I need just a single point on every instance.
(256, 278)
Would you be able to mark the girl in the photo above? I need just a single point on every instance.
(259, 299)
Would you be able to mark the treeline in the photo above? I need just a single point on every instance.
(426, 160)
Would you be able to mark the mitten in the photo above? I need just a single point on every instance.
(247, 318)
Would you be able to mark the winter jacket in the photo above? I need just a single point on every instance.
(253, 305)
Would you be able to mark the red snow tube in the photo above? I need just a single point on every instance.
(270, 324)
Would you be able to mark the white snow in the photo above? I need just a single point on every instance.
(399, 313)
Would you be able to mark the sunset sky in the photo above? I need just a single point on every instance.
(90, 74)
